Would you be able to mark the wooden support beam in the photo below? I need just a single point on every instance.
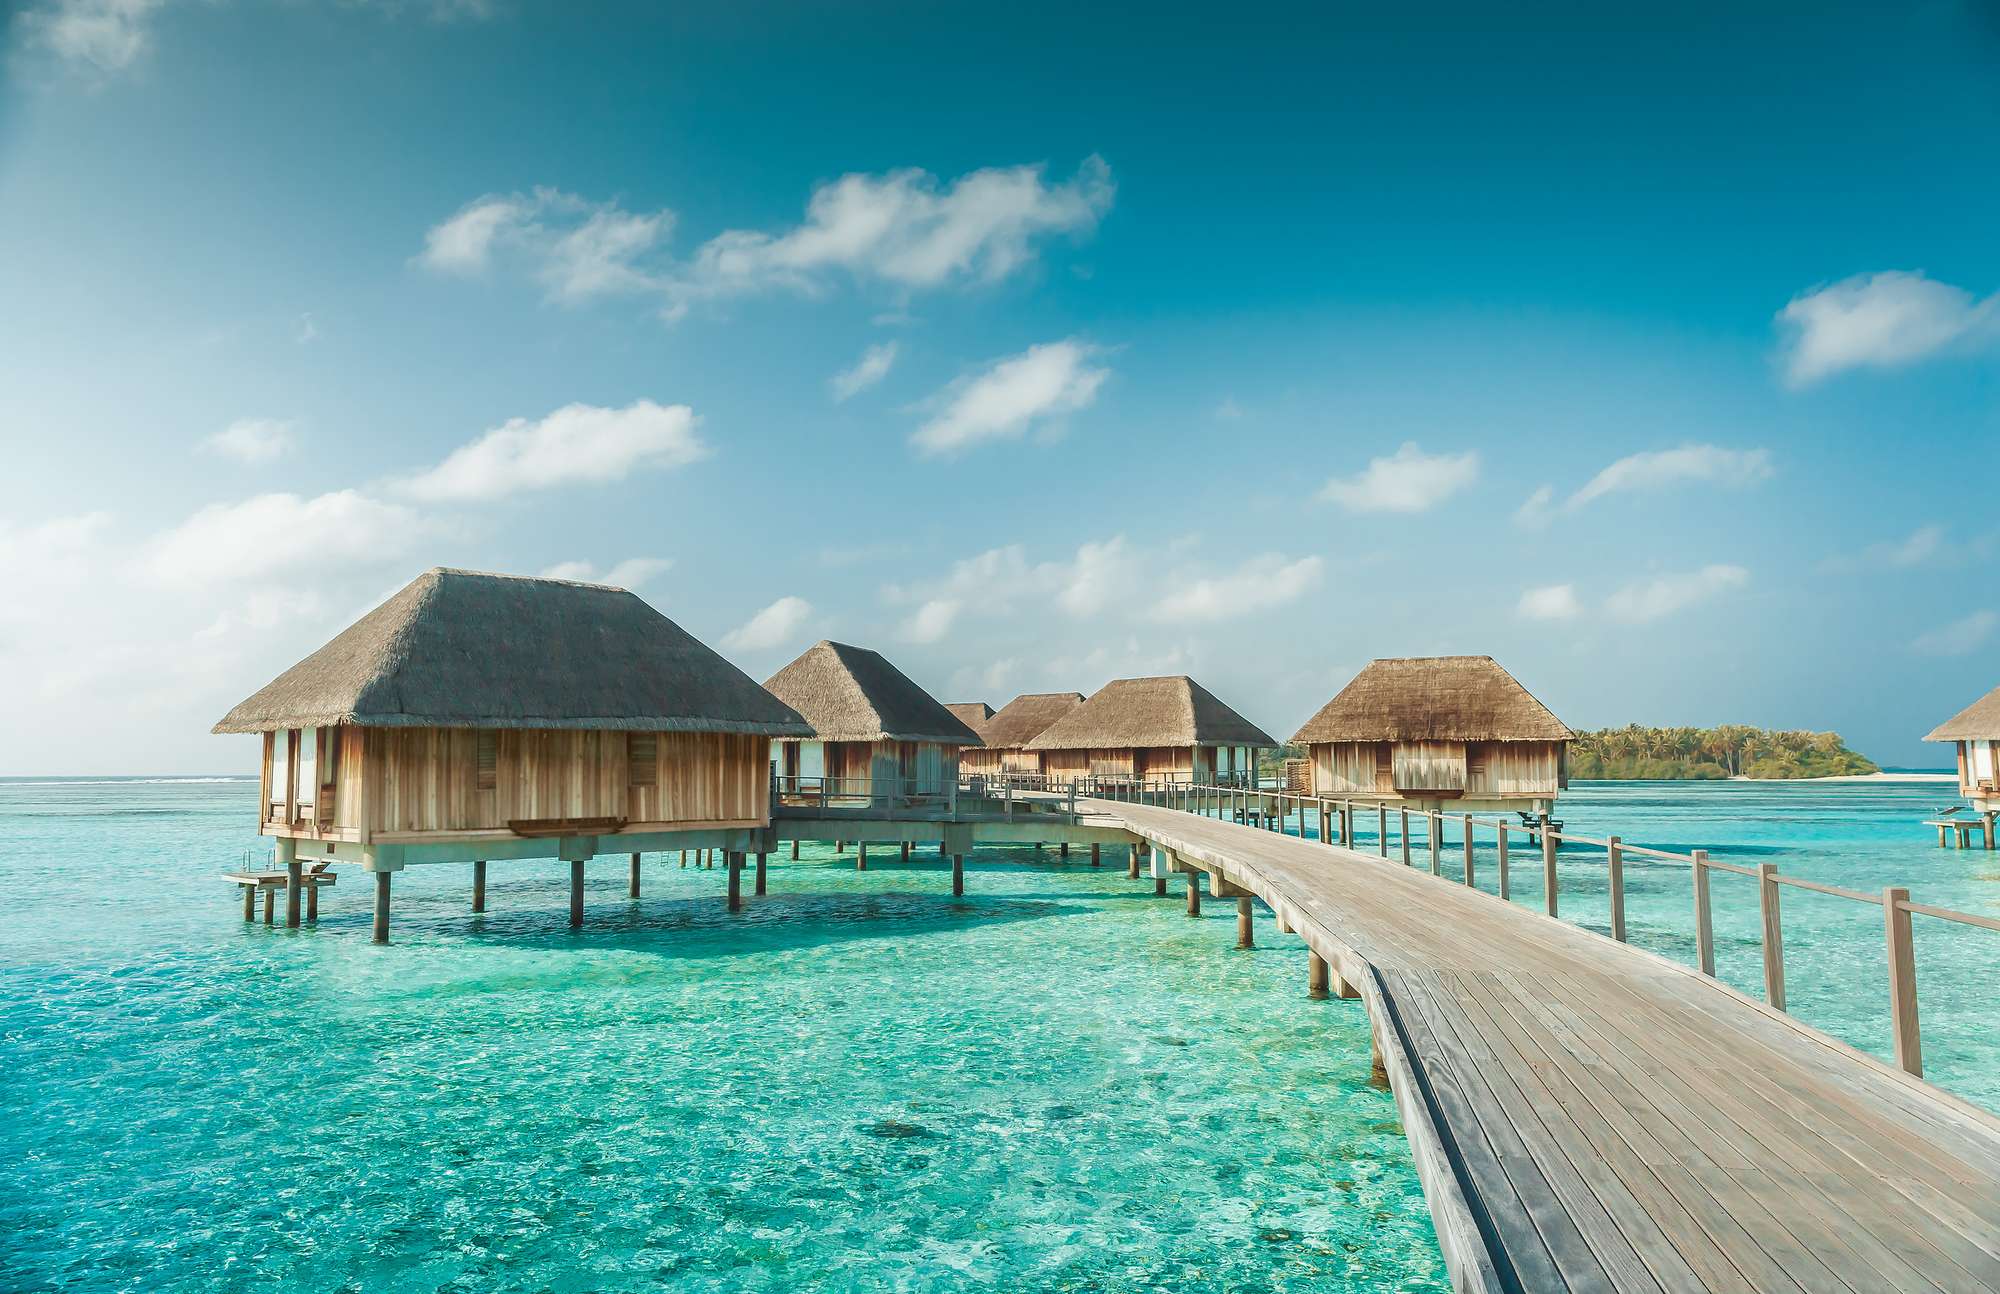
(380, 933)
(795, 851)
(575, 893)
(1246, 922)
(1160, 887)
(1094, 859)
(1062, 850)
(250, 903)
(861, 857)
(733, 860)
(957, 874)
(270, 903)
(1774, 935)
(1132, 864)
(684, 859)
(1317, 974)
(293, 877)
(760, 873)
(632, 889)
(1704, 918)
(1902, 981)
(312, 903)
(906, 851)
(1194, 894)
(479, 884)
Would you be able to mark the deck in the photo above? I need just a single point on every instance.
(1588, 1116)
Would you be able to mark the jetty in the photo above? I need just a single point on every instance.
(1586, 1115)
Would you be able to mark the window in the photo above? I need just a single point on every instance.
(308, 777)
(281, 774)
(642, 758)
(486, 760)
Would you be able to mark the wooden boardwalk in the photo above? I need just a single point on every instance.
(1589, 1116)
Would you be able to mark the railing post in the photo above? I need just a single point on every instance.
(1503, 860)
(1774, 935)
(1382, 829)
(1404, 834)
(1615, 856)
(1548, 866)
(1704, 923)
(1902, 981)
(1469, 878)
(1433, 829)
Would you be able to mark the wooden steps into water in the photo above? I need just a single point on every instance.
(1589, 1116)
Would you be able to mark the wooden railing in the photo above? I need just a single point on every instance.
(860, 792)
(1337, 818)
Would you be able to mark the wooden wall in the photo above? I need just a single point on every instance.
(1439, 769)
(1179, 763)
(398, 781)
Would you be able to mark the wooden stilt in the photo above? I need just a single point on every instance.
(734, 862)
(795, 851)
(1378, 1075)
(1062, 850)
(270, 903)
(1284, 926)
(380, 934)
(906, 851)
(479, 886)
(312, 904)
(1246, 920)
(1317, 972)
(1094, 859)
(684, 859)
(957, 874)
(861, 857)
(293, 876)
(1132, 866)
(249, 903)
(708, 859)
(575, 893)
(760, 872)
(633, 889)
(840, 846)
(1194, 894)
(1160, 886)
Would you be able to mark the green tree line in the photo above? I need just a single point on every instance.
(1694, 754)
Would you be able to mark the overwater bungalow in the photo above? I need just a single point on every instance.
(1151, 730)
(1003, 750)
(876, 735)
(973, 714)
(475, 716)
(1975, 730)
(1438, 731)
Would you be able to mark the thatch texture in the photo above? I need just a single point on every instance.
(853, 694)
(973, 714)
(1433, 698)
(1026, 717)
(1149, 712)
(462, 649)
(1979, 721)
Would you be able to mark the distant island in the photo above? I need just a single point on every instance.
(1633, 753)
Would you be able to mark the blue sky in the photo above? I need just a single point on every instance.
(1035, 348)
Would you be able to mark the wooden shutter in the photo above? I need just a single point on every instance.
(642, 757)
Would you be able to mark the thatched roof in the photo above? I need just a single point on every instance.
(1433, 698)
(1138, 712)
(463, 649)
(1979, 721)
(973, 714)
(1026, 716)
(853, 694)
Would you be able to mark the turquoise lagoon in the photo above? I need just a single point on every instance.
(1056, 1083)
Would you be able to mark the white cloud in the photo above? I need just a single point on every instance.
(1100, 572)
(989, 681)
(108, 35)
(1959, 637)
(274, 533)
(1259, 584)
(307, 330)
(930, 622)
(902, 228)
(1653, 470)
(1407, 481)
(1550, 602)
(254, 440)
(628, 574)
(1876, 320)
(1042, 382)
(871, 368)
(1229, 411)
(771, 627)
(1652, 599)
(1919, 547)
(577, 444)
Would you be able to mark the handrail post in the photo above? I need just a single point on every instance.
(1774, 935)
(1470, 878)
(1704, 921)
(1615, 855)
(1433, 829)
(1548, 866)
(1382, 829)
(1902, 981)
(1404, 834)
(1502, 828)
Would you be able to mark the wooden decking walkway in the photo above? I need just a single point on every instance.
(1588, 1116)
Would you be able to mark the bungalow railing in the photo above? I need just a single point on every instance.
(1338, 817)
(794, 790)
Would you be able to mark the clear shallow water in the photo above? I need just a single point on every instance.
(1859, 835)
(1057, 1083)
